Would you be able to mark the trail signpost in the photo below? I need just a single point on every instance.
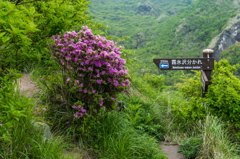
(205, 64)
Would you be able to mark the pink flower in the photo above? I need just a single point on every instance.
(87, 62)
(99, 81)
(85, 91)
(118, 108)
(37, 108)
(34, 112)
(41, 78)
(42, 119)
(74, 107)
(83, 110)
(68, 80)
(44, 109)
(93, 91)
(116, 83)
(79, 106)
(67, 122)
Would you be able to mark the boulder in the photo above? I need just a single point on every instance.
(44, 129)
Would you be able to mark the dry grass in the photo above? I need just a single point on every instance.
(216, 143)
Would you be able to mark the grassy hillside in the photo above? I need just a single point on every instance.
(164, 29)
(91, 103)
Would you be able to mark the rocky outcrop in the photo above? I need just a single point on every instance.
(227, 38)
(145, 8)
(230, 36)
(44, 130)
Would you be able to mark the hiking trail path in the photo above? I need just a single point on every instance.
(171, 150)
(26, 85)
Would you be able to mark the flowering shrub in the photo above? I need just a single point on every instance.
(39, 112)
(92, 70)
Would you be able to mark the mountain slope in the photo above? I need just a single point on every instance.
(163, 28)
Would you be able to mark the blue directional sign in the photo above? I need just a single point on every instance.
(164, 65)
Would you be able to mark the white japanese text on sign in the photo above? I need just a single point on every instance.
(186, 62)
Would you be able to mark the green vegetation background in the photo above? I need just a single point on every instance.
(164, 29)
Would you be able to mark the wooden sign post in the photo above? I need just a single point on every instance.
(205, 64)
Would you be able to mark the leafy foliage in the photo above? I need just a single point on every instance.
(16, 25)
(223, 95)
(114, 137)
(193, 108)
(13, 108)
(26, 26)
(191, 147)
(142, 117)
(156, 81)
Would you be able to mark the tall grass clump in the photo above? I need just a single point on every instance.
(162, 101)
(27, 142)
(113, 137)
(19, 137)
(216, 141)
(141, 115)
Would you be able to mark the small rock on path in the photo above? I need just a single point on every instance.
(26, 85)
(171, 150)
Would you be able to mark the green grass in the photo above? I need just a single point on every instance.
(27, 142)
(115, 138)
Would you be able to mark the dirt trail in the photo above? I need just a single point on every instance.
(172, 151)
(26, 85)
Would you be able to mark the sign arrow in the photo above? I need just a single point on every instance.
(164, 65)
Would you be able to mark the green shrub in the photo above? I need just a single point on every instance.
(191, 147)
(18, 137)
(192, 108)
(26, 26)
(13, 107)
(224, 93)
(190, 87)
(113, 137)
(16, 26)
(156, 81)
(142, 117)
(222, 98)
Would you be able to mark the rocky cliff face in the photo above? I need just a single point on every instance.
(226, 39)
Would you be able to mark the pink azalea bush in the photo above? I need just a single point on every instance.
(92, 68)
